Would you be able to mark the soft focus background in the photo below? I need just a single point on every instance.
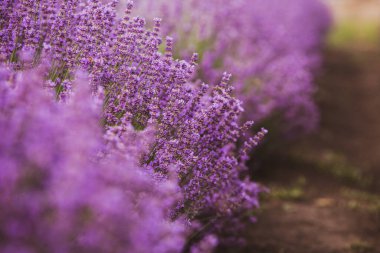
(325, 189)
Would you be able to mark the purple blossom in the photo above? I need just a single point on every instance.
(156, 125)
(58, 194)
(270, 46)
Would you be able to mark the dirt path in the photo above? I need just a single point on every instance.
(350, 104)
(324, 191)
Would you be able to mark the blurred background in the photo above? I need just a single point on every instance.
(325, 189)
(356, 22)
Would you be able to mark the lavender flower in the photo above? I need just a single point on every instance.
(58, 194)
(155, 121)
(270, 46)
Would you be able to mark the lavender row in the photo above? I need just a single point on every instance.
(135, 157)
(271, 47)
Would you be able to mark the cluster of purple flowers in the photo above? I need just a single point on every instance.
(117, 161)
(270, 46)
(60, 191)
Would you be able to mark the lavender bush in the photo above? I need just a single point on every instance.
(270, 46)
(60, 192)
(98, 171)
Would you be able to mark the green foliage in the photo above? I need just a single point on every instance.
(292, 193)
(361, 247)
(351, 33)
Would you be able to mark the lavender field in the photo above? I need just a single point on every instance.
(189, 126)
